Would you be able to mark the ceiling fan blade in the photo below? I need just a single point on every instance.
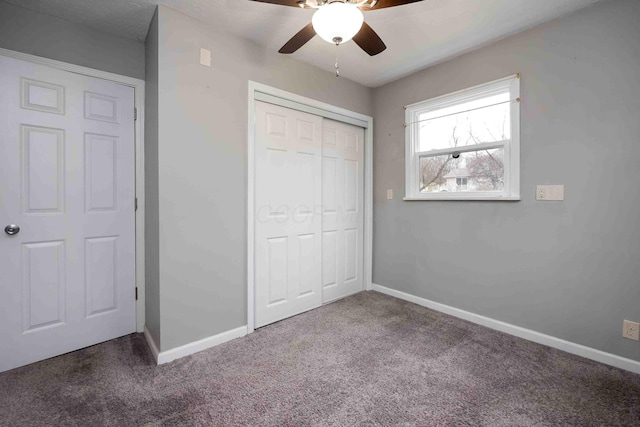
(293, 3)
(297, 41)
(369, 40)
(381, 4)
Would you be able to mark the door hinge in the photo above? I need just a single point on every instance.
(136, 293)
(135, 114)
(136, 204)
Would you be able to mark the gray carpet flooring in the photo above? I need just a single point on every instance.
(368, 360)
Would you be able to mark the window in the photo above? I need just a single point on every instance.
(461, 184)
(465, 145)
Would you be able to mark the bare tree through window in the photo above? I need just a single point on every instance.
(434, 169)
(482, 170)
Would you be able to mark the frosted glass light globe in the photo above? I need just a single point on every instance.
(337, 20)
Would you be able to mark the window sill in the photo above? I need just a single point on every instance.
(462, 198)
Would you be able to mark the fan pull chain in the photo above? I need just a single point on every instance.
(337, 65)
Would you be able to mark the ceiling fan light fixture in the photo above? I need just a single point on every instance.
(337, 21)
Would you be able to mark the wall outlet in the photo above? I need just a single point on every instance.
(550, 192)
(389, 194)
(631, 330)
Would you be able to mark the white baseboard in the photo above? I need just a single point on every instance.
(527, 334)
(152, 344)
(192, 347)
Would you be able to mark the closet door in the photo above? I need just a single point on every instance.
(342, 209)
(288, 220)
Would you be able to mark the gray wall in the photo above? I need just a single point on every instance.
(152, 266)
(202, 168)
(24, 30)
(568, 269)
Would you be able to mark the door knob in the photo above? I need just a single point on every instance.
(11, 229)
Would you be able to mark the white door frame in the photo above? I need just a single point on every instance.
(261, 92)
(138, 86)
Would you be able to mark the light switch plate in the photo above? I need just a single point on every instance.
(550, 192)
(205, 57)
(389, 194)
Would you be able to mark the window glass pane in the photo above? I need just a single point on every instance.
(466, 124)
(481, 170)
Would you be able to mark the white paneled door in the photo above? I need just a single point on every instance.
(67, 277)
(308, 211)
(342, 209)
(288, 226)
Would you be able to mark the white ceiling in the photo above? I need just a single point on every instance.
(417, 35)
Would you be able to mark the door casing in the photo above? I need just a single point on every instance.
(261, 92)
(138, 86)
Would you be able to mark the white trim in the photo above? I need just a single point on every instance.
(299, 99)
(527, 334)
(138, 86)
(78, 69)
(152, 344)
(465, 149)
(368, 206)
(466, 94)
(251, 168)
(305, 108)
(140, 212)
(292, 100)
(470, 197)
(193, 347)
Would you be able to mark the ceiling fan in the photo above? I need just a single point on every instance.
(338, 21)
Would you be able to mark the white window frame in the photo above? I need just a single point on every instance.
(511, 147)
